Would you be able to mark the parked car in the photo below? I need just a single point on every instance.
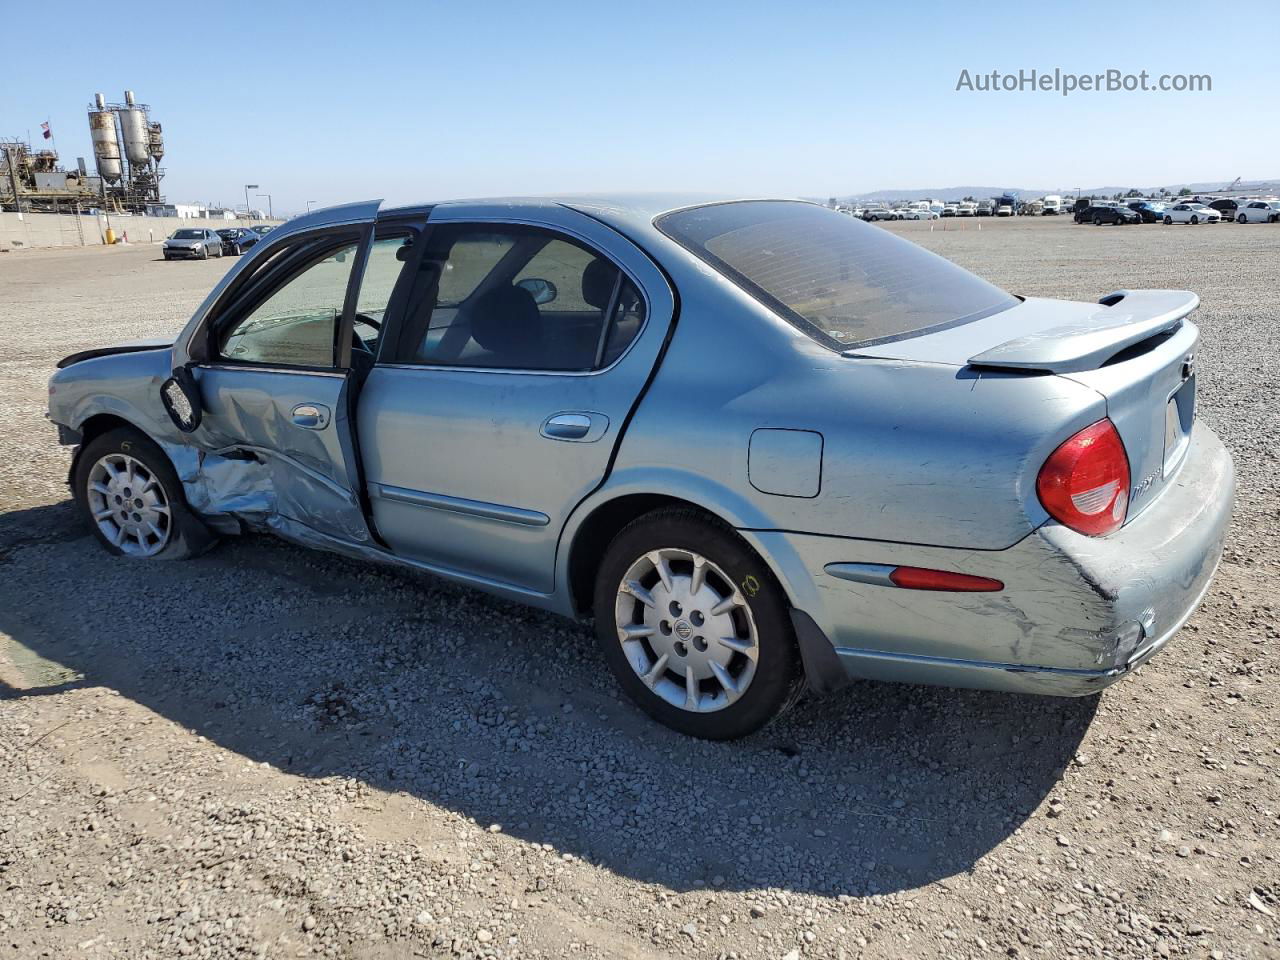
(495, 392)
(236, 240)
(189, 242)
(1098, 214)
(872, 214)
(1149, 212)
(919, 215)
(948, 210)
(985, 208)
(1004, 210)
(1226, 207)
(262, 229)
(967, 209)
(1258, 211)
(1191, 213)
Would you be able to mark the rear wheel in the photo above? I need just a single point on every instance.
(694, 626)
(1194, 219)
(129, 494)
(1097, 221)
(1242, 219)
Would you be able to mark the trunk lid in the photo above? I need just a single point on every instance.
(1135, 348)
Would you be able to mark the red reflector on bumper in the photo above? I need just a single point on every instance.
(918, 578)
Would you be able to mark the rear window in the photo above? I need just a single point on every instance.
(841, 281)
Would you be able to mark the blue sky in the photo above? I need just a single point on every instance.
(430, 100)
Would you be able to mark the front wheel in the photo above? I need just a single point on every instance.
(1097, 221)
(694, 626)
(1242, 219)
(1168, 220)
(1194, 220)
(130, 495)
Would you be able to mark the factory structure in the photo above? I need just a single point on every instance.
(127, 149)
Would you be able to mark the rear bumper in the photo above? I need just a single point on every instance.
(1076, 614)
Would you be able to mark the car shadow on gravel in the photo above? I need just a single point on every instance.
(326, 668)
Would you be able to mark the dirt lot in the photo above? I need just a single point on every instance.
(268, 752)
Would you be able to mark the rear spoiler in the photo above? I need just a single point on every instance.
(1128, 317)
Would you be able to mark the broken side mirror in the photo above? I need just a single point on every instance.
(180, 395)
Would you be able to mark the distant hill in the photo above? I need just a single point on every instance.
(955, 193)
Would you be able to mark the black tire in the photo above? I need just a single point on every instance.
(1097, 220)
(1168, 220)
(778, 680)
(187, 535)
(1194, 220)
(1242, 219)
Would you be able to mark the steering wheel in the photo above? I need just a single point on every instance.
(357, 341)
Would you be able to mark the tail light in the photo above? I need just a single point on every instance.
(1084, 484)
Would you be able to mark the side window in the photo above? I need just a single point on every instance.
(470, 259)
(387, 258)
(297, 324)
(518, 298)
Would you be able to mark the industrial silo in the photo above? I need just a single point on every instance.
(133, 126)
(106, 146)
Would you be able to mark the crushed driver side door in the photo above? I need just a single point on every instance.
(275, 361)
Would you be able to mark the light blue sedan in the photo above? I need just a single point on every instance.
(767, 447)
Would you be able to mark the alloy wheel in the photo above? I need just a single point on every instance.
(686, 630)
(129, 505)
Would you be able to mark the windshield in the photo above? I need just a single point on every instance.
(187, 234)
(841, 281)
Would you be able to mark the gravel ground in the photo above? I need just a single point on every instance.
(269, 752)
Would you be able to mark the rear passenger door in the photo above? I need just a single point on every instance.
(503, 385)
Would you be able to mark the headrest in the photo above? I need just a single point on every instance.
(597, 282)
(506, 320)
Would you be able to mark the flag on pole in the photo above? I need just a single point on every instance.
(46, 131)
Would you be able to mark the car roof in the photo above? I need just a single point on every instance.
(617, 209)
(629, 213)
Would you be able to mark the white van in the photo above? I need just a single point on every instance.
(1052, 205)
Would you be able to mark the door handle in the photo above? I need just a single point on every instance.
(582, 427)
(312, 416)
